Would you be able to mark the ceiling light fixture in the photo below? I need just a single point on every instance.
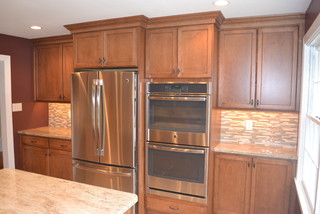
(35, 27)
(221, 3)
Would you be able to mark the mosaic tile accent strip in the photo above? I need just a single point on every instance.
(269, 128)
(60, 115)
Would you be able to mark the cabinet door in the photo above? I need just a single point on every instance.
(232, 184)
(120, 48)
(271, 183)
(277, 68)
(88, 49)
(237, 68)
(60, 164)
(35, 159)
(67, 58)
(48, 75)
(161, 53)
(195, 51)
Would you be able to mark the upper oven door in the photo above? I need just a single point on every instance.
(178, 119)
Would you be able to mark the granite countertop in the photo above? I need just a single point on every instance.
(26, 192)
(49, 131)
(257, 150)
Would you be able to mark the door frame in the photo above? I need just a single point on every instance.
(6, 112)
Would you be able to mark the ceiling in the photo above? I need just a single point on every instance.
(16, 16)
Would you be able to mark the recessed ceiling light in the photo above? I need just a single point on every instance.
(35, 27)
(221, 3)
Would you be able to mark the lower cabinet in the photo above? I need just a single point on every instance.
(244, 185)
(47, 156)
(162, 205)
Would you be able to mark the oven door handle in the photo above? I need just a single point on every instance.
(197, 99)
(172, 149)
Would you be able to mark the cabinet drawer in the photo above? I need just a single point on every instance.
(162, 205)
(60, 144)
(35, 141)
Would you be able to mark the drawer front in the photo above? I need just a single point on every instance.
(61, 144)
(172, 207)
(35, 141)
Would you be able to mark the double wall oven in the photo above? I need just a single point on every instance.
(177, 147)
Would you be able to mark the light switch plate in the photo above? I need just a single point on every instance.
(16, 107)
(249, 125)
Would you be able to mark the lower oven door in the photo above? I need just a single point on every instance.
(174, 170)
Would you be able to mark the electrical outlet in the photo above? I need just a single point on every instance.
(249, 125)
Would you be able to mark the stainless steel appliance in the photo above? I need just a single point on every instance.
(177, 147)
(104, 128)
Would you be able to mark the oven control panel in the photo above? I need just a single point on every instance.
(191, 88)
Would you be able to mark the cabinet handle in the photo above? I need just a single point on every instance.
(173, 208)
(103, 60)
(258, 102)
(178, 71)
(249, 164)
(33, 141)
(254, 165)
(252, 102)
(99, 61)
(63, 146)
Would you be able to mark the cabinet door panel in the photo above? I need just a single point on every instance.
(88, 49)
(277, 68)
(237, 68)
(60, 164)
(67, 57)
(48, 66)
(35, 159)
(271, 182)
(120, 48)
(195, 49)
(161, 53)
(232, 184)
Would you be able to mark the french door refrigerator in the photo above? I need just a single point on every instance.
(104, 128)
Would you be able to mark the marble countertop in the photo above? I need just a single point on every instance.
(49, 131)
(25, 192)
(257, 150)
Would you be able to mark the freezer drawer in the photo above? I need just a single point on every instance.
(117, 178)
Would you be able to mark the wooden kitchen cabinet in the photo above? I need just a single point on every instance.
(258, 68)
(244, 185)
(53, 64)
(183, 52)
(111, 48)
(162, 205)
(47, 156)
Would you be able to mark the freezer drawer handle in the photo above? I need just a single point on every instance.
(171, 149)
(91, 169)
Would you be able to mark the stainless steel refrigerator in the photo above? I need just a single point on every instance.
(104, 128)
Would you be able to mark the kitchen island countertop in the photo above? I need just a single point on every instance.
(257, 150)
(25, 192)
(49, 131)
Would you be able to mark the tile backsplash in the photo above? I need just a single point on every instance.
(60, 115)
(269, 128)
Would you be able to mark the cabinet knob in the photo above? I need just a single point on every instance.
(252, 102)
(258, 102)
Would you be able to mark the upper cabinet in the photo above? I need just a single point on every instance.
(53, 64)
(109, 43)
(259, 67)
(106, 49)
(179, 52)
(181, 46)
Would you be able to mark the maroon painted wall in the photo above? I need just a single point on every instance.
(33, 114)
(312, 13)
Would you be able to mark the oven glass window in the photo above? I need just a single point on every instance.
(180, 166)
(183, 116)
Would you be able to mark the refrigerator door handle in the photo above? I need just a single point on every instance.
(103, 171)
(100, 117)
(94, 116)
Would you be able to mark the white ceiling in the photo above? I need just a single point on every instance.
(16, 16)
